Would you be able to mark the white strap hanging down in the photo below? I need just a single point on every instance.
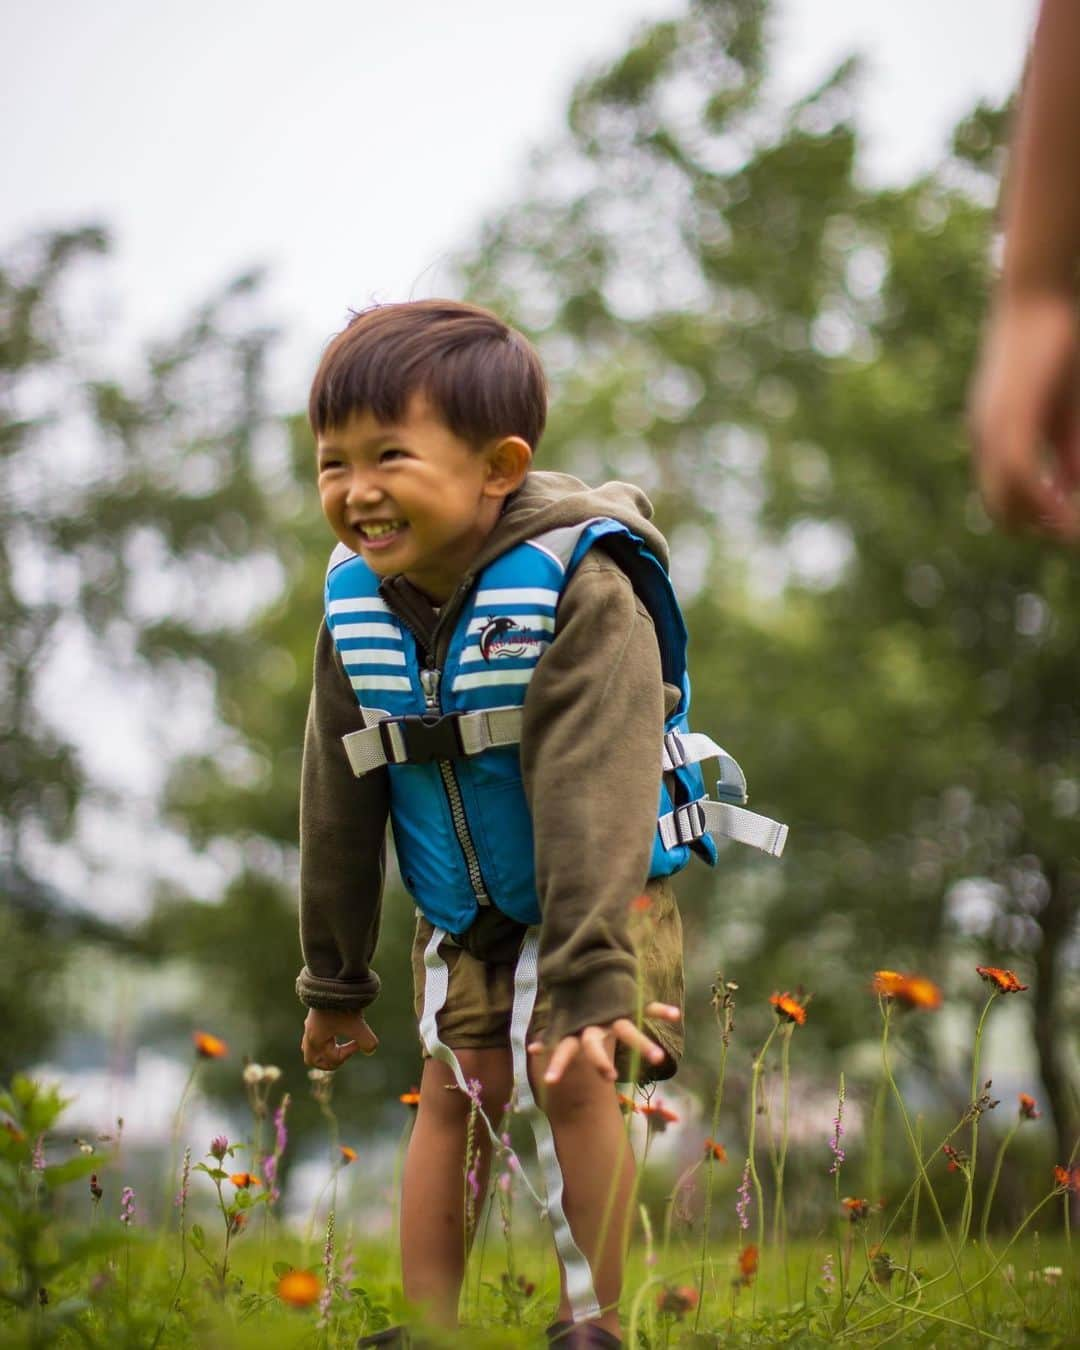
(436, 984)
(579, 1285)
(690, 822)
(486, 729)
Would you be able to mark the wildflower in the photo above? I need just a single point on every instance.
(857, 1209)
(1029, 1109)
(326, 1298)
(243, 1181)
(627, 1105)
(127, 1205)
(410, 1098)
(828, 1277)
(910, 991)
(348, 1155)
(281, 1139)
(1051, 1274)
(717, 1152)
(219, 1146)
(742, 1205)
(838, 1132)
(271, 1073)
(641, 904)
(881, 1264)
(299, 1287)
(208, 1046)
(958, 1159)
(253, 1074)
(1003, 981)
(657, 1116)
(1068, 1179)
(37, 1161)
(677, 1300)
(95, 1190)
(185, 1177)
(787, 1007)
(984, 1102)
(748, 1263)
(237, 1223)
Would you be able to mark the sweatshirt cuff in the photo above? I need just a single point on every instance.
(596, 1000)
(315, 991)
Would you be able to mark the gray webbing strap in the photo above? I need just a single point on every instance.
(579, 1285)
(436, 984)
(487, 729)
(691, 747)
(695, 819)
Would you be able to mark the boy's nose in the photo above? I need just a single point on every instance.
(363, 490)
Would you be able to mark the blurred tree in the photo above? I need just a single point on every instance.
(133, 535)
(779, 353)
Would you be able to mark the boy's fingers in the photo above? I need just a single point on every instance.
(667, 1012)
(637, 1040)
(592, 1042)
(565, 1053)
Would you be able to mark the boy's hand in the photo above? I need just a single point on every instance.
(324, 1029)
(595, 1044)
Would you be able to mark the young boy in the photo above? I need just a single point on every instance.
(489, 680)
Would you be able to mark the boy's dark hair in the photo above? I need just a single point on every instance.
(482, 376)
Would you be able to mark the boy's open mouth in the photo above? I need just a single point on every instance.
(379, 531)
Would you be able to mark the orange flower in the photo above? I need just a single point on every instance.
(788, 1007)
(627, 1105)
(1028, 1108)
(857, 1209)
(1004, 981)
(715, 1151)
(410, 1098)
(299, 1287)
(958, 1159)
(244, 1180)
(911, 991)
(348, 1155)
(1068, 1178)
(17, 1136)
(209, 1047)
(677, 1299)
(657, 1115)
(641, 904)
(748, 1262)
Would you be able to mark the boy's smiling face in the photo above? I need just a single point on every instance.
(413, 497)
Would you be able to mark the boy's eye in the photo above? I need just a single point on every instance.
(325, 464)
(388, 456)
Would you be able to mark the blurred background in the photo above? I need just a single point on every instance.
(753, 244)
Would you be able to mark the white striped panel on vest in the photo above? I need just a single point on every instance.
(517, 595)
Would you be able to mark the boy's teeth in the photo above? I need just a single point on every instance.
(376, 528)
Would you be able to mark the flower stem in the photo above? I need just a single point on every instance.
(755, 1083)
(969, 1196)
(994, 1182)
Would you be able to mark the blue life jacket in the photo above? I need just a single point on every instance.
(459, 815)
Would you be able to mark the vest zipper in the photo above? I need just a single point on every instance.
(429, 682)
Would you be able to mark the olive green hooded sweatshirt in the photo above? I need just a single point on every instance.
(590, 757)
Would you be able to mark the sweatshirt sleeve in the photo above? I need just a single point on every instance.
(342, 849)
(591, 750)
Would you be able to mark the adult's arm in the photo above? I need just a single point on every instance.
(1024, 411)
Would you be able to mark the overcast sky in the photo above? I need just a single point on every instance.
(351, 145)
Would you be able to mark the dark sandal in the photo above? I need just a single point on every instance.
(581, 1336)
(390, 1338)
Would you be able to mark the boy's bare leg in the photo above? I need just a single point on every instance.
(598, 1174)
(433, 1187)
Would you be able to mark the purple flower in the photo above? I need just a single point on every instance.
(37, 1162)
(742, 1205)
(127, 1205)
(828, 1279)
(185, 1175)
(838, 1132)
(219, 1146)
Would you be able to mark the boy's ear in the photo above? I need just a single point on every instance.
(508, 462)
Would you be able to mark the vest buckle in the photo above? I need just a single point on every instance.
(420, 740)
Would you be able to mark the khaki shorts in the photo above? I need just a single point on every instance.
(480, 997)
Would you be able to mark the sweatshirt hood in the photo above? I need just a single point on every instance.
(550, 501)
